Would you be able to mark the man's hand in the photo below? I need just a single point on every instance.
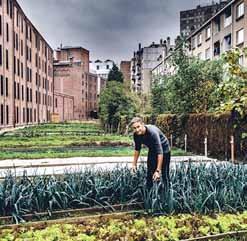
(133, 168)
(156, 176)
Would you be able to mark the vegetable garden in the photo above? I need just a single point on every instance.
(203, 199)
(216, 190)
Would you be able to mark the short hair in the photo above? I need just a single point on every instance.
(135, 119)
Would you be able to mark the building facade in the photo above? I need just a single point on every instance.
(125, 69)
(192, 19)
(75, 89)
(101, 69)
(226, 30)
(26, 70)
(144, 60)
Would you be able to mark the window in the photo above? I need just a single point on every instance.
(18, 91)
(217, 48)
(107, 66)
(17, 115)
(1, 54)
(7, 59)
(14, 64)
(15, 90)
(227, 42)
(199, 39)
(7, 32)
(97, 67)
(8, 7)
(27, 74)
(228, 17)
(34, 115)
(0, 24)
(31, 95)
(2, 114)
(27, 114)
(22, 92)
(23, 115)
(208, 33)
(2, 87)
(240, 10)
(21, 70)
(21, 47)
(17, 44)
(7, 87)
(193, 42)
(240, 36)
(7, 114)
(217, 24)
(27, 94)
(18, 67)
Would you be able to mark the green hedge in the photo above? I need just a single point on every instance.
(218, 129)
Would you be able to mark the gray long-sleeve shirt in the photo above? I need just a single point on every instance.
(154, 139)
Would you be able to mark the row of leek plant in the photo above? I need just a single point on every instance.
(201, 188)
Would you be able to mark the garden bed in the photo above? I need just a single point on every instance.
(136, 227)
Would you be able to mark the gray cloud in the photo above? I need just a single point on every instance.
(108, 28)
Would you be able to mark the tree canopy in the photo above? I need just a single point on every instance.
(114, 103)
(115, 74)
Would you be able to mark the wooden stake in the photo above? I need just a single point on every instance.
(206, 146)
(185, 143)
(232, 149)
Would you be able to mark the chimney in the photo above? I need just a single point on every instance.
(140, 46)
(168, 42)
(61, 46)
(161, 42)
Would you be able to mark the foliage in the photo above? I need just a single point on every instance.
(131, 227)
(200, 188)
(231, 93)
(189, 89)
(115, 102)
(115, 74)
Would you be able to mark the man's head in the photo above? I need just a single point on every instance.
(137, 125)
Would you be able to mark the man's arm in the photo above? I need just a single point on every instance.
(135, 159)
(159, 162)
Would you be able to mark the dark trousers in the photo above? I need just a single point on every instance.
(152, 166)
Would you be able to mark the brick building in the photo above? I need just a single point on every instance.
(26, 69)
(75, 89)
(192, 19)
(125, 69)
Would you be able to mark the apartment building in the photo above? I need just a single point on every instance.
(192, 19)
(75, 89)
(226, 30)
(26, 69)
(144, 60)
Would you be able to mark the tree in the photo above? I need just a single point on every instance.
(231, 93)
(115, 74)
(114, 103)
(189, 89)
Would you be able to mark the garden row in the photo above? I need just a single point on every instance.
(200, 188)
(225, 227)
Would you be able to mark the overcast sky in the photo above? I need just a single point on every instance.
(109, 29)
